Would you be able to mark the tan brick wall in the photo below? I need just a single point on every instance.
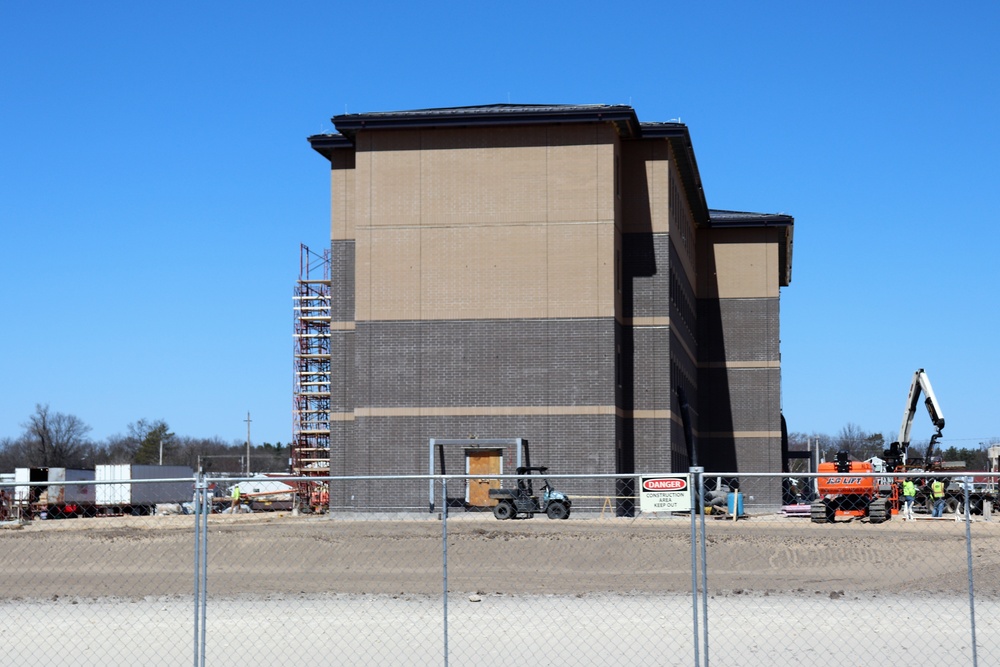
(646, 170)
(342, 195)
(388, 179)
(472, 224)
(738, 263)
(388, 274)
(683, 235)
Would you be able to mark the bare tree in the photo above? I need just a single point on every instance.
(54, 439)
(798, 441)
(118, 449)
(851, 439)
(12, 453)
(857, 442)
(214, 455)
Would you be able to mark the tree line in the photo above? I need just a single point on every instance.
(862, 445)
(57, 440)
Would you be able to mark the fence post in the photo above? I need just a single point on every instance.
(693, 474)
(700, 488)
(444, 560)
(202, 508)
(972, 595)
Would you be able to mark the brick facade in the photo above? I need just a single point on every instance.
(547, 273)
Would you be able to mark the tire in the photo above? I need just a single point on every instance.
(820, 512)
(951, 505)
(878, 511)
(557, 510)
(503, 510)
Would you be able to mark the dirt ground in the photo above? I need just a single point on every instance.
(272, 553)
(585, 591)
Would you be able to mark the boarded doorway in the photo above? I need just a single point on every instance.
(482, 462)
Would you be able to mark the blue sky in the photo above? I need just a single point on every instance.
(156, 182)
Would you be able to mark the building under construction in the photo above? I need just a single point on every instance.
(547, 273)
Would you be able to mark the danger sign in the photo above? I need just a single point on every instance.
(665, 494)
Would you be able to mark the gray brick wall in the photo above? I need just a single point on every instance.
(648, 350)
(485, 363)
(740, 399)
(733, 399)
(342, 371)
(568, 444)
(738, 330)
(645, 275)
(342, 280)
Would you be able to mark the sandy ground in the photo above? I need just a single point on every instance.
(585, 591)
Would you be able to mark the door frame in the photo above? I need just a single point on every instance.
(520, 446)
(479, 450)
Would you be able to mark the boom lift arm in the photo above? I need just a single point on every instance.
(921, 383)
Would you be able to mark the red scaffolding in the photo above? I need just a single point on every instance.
(311, 376)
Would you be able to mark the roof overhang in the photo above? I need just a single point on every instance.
(743, 219)
(679, 137)
(622, 116)
(348, 125)
(326, 144)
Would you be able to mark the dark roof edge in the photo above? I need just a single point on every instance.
(325, 144)
(622, 116)
(722, 218)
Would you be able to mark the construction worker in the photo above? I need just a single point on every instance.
(937, 494)
(236, 498)
(909, 493)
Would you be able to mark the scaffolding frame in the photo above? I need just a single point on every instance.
(312, 366)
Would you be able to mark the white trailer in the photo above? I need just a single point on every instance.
(43, 492)
(129, 489)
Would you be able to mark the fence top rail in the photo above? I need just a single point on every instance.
(95, 482)
(448, 477)
(811, 475)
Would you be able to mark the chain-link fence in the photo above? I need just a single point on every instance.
(764, 572)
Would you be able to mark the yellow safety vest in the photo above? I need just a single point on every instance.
(937, 489)
(909, 488)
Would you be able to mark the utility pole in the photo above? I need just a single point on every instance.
(247, 420)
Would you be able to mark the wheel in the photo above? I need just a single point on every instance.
(820, 512)
(557, 510)
(951, 505)
(878, 511)
(503, 510)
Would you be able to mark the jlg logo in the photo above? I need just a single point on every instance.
(847, 481)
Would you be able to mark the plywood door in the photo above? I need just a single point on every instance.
(483, 462)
